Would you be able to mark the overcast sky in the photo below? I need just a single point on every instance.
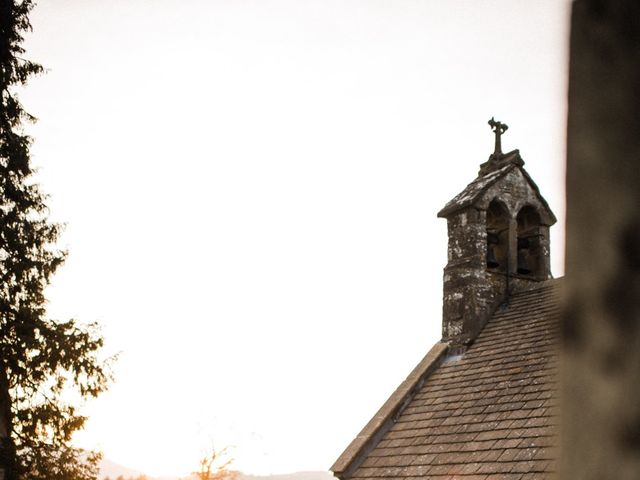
(250, 190)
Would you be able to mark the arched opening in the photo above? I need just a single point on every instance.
(529, 248)
(497, 237)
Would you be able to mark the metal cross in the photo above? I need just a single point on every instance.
(498, 128)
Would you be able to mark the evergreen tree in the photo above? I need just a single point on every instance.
(40, 359)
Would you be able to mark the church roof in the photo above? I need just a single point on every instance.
(487, 414)
(490, 173)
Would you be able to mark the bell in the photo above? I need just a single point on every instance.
(523, 263)
(492, 262)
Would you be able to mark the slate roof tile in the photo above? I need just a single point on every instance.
(489, 415)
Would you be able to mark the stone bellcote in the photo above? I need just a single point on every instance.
(498, 229)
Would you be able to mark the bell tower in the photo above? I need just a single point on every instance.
(498, 229)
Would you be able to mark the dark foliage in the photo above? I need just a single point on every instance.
(41, 360)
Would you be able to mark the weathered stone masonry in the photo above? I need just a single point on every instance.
(498, 242)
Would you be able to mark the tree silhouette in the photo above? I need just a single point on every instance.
(214, 465)
(40, 359)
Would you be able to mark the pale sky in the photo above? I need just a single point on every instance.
(250, 190)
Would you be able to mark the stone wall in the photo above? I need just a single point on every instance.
(471, 291)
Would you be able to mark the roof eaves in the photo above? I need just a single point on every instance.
(533, 184)
(482, 183)
(370, 435)
(474, 190)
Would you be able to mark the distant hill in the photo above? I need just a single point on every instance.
(113, 470)
(285, 476)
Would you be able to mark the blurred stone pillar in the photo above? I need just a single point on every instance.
(601, 381)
